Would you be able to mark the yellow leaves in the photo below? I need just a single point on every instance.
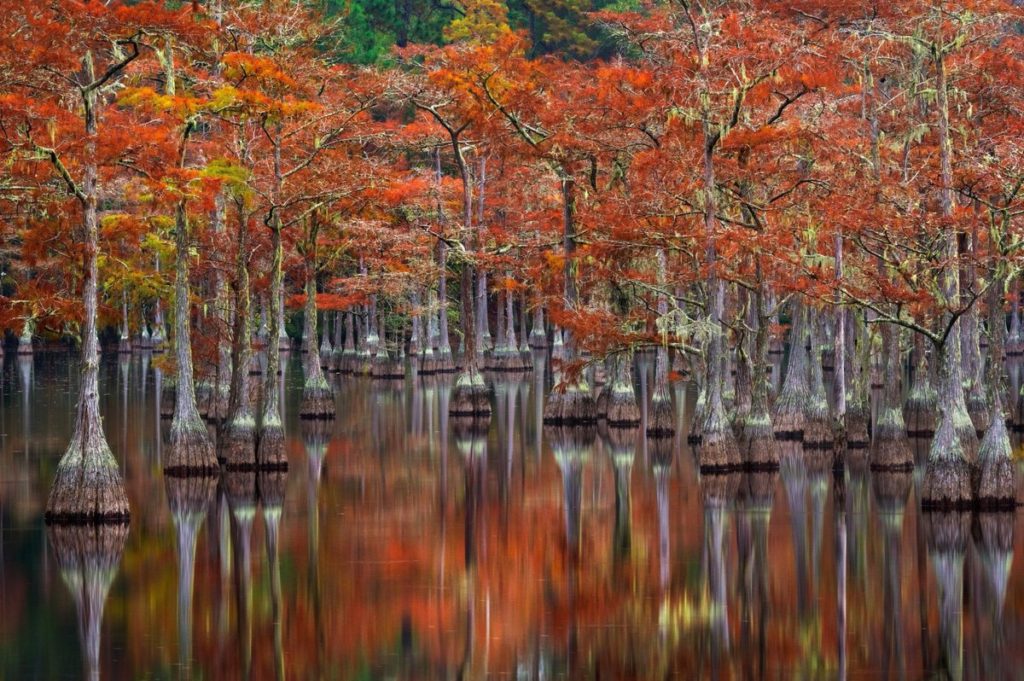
(484, 22)
(149, 99)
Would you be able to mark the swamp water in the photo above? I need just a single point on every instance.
(400, 545)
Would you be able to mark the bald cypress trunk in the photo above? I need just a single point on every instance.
(470, 397)
(947, 477)
(818, 430)
(191, 449)
(270, 445)
(719, 449)
(996, 487)
(239, 449)
(317, 397)
(758, 435)
(222, 310)
(789, 407)
(891, 450)
(661, 415)
(88, 485)
(570, 401)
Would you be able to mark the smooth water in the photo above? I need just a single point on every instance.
(399, 545)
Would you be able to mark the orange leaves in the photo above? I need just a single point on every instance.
(239, 66)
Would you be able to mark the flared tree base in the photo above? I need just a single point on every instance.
(891, 452)
(762, 453)
(997, 485)
(858, 435)
(87, 489)
(661, 417)
(190, 452)
(946, 485)
(238, 447)
(438, 365)
(922, 419)
(388, 368)
(470, 400)
(124, 346)
(622, 410)
(718, 452)
(569, 408)
(819, 432)
(270, 450)
(317, 403)
(788, 423)
(509, 361)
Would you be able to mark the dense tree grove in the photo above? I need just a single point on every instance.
(440, 187)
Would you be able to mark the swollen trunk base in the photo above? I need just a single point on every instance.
(946, 485)
(891, 452)
(238, 451)
(190, 452)
(87, 493)
(622, 410)
(470, 400)
(270, 451)
(572, 407)
(661, 419)
(317, 403)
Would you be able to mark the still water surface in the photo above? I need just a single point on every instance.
(399, 545)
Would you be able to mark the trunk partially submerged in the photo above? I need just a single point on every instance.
(996, 487)
(660, 413)
(920, 406)
(270, 451)
(891, 450)
(470, 397)
(538, 336)
(317, 396)
(622, 411)
(124, 344)
(238, 450)
(506, 355)
(947, 476)
(25, 339)
(758, 435)
(858, 416)
(719, 449)
(571, 400)
(788, 422)
(348, 354)
(818, 428)
(87, 486)
(190, 449)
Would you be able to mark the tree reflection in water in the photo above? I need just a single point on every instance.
(88, 557)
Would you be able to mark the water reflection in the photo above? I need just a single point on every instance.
(188, 499)
(404, 544)
(88, 558)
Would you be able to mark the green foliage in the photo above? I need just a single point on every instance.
(373, 27)
(560, 27)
